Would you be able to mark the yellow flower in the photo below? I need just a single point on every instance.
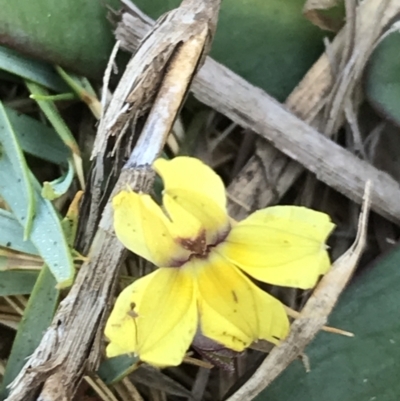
(204, 259)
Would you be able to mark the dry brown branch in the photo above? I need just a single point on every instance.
(313, 316)
(252, 108)
(157, 78)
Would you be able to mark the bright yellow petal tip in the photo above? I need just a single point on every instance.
(198, 190)
(281, 245)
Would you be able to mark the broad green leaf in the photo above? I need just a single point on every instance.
(382, 83)
(37, 139)
(17, 282)
(54, 189)
(12, 234)
(268, 42)
(75, 34)
(46, 232)
(11, 155)
(37, 317)
(114, 369)
(28, 68)
(353, 369)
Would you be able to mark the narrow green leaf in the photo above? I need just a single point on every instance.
(52, 114)
(55, 98)
(34, 70)
(353, 369)
(38, 139)
(46, 233)
(11, 234)
(37, 317)
(54, 189)
(10, 151)
(114, 369)
(17, 282)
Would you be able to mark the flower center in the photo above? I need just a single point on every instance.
(198, 247)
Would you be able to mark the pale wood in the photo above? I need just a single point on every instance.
(252, 108)
(72, 345)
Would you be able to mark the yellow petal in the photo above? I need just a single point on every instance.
(121, 325)
(198, 190)
(233, 310)
(281, 245)
(156, 317)
(144, 229)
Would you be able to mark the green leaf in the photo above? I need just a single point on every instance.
(37, 317)
(114, 369)
(75, 34)
(12, 234)
(12, 156)
(352, 369)
(27, 68)
(46, 232)
(37, 139)
(52, 114)
(268, 42)
(17, 282)
(382, 80)
(54, 189)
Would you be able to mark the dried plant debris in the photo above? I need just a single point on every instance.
(320, 150)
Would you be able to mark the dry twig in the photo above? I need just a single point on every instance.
(252, 108)
(155, 82)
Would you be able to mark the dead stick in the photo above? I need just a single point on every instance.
(72, 345)
(252, 108)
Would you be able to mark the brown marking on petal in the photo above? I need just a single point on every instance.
(235, 298)
(197, 246)
(132, 312)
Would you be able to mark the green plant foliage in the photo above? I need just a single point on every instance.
(38, 139)
(27, 68)
(359, 368)
(54, 189)
(17, 282)
(269, 43)
(37, 317)
(16, 185)
(12, 234)
(382, 83)
(73, 33)
(114, 369)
